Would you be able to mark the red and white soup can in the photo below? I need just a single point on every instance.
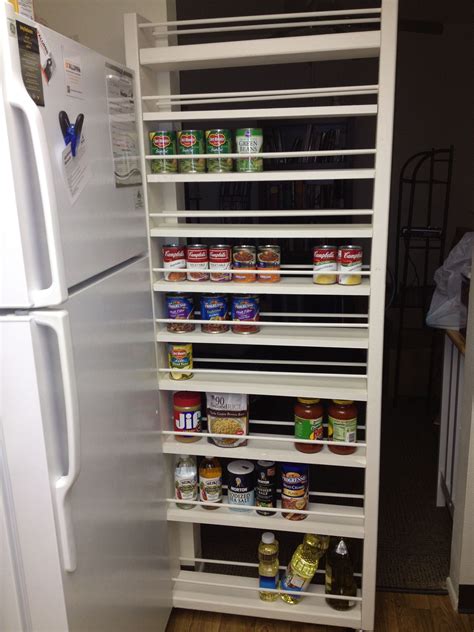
(324, 264)
(220, 260)
(174, 259)
(349, 259)
(197, 262)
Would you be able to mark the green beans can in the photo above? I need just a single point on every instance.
(219, 142)
(163, 143)
(190, 142)
(249, 140)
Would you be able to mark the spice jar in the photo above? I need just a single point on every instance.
(342, 425)
(309, 423)
(187, 415)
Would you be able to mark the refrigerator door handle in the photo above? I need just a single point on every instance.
(58, 321)
(18, 98)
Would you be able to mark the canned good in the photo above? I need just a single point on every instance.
(268, 258)
(163, 143)
(244, 258)
(197, 260)
(241, 484)
(349, 259)
(174, 259)
(324, 262)
(214, 308)
(228, 413)
(180, 357)
(294, 489)
(191, 141)
(220, 259)
(219, 142)
(245, 307)
(249, 140)
(265, 487)
(180, 307)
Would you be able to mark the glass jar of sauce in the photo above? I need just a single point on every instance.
(309, 424)
(342, 425)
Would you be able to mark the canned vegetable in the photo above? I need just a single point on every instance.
(191, 141)
(163, 143)
(214, 308)
(249, 140)
(219, 142)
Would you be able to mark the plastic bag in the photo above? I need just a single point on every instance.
(446, 310)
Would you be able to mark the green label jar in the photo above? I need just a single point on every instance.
(190, 142)
(249, 140)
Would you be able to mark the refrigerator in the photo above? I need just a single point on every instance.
(83, 540)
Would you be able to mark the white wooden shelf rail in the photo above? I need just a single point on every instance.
(153, 52)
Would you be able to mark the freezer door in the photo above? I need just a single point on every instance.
(96, 373)
(72, 217)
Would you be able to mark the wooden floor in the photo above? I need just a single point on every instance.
(395, 612)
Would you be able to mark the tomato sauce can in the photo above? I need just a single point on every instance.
(245, 307)
(265, 487)
(190, 142)
(197, 261)
(220, 260)
(349, 259)
(241, 484)
(180, 357)
(324, 263)
(215, 309)
(294, 489)
(268, 258)
(180, 307)
(174, 259)
(163, 144)
(244, 258)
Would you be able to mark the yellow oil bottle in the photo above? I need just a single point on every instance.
(268, 566)
(303, 566)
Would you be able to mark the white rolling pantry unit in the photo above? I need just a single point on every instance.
(152, 50)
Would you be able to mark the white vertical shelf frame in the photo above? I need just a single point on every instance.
(381, 205)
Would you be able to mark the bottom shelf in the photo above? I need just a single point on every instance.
(220, 593)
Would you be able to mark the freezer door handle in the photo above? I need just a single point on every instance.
(18, 98)
(58, 321)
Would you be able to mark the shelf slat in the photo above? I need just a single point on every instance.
(260, 449)
(328, 111)
(265, 231)
(291, 386)
(198, 596)
(279, 336)
(288, 285)
(258, 52)
(325, 523)
(265, 176)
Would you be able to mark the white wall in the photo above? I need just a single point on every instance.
(96, 23)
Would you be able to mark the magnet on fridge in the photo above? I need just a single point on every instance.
(71, 131)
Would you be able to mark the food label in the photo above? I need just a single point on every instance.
(265, 489)
(349, 260)
(324, 260)
(214, 308)
(295, 491)
(268, 582)
(187, 140)
(180, 308)
(210, 489)
(189, 420)
(309, 428)
(163, 143)
(293, 581)
(220, 259)
(173, 259)
(249, 141)
(227, 413)
(186, 487)
(245, 309)
(180, 357)
(342, 429)
(268, 258)
(240, 494)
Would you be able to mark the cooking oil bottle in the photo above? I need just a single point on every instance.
(268, 567)
(303, 566)
(340, 576)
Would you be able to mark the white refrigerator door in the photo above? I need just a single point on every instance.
(97, 428)
(65, 219)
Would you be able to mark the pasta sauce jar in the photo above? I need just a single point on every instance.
(309, 424)
(342, 425)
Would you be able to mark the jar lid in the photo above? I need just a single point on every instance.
(186, 398)
(343, 402)
(307, 400)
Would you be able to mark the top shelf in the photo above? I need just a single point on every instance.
(258, 52)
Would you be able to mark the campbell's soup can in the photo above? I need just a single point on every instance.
(174, 259)
(246, 308)
(349, 259)
(294, 489)
(244, 258)
(241, 484)
(197, 262)
(191, 142)
(220, 260)
(324, 264)
(214, 309)
(163, 144)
